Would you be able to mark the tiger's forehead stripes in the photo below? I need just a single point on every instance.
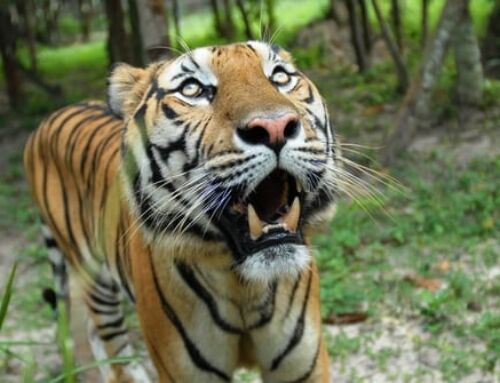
(193, 64)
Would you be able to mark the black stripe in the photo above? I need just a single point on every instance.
(120, 348)
(194, 353)
(317, 122)
(298, 332)
(177, 145)
(190, 278)
(50, 243)
(123, 280)
(266, 309)
(308, 373)
(116, 323)
(186, 69)
(292, 295)
(159, 222)
(111, 335)
(251, 48)
(102, 301)
(169, 112)
(97, 310)
(194, 62)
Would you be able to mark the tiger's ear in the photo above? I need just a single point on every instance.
(126, 86)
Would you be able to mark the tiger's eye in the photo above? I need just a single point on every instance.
(280, 77)
(191, 89)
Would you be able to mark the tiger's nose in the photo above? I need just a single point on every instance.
(272, 132)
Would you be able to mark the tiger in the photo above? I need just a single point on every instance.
(194, 193)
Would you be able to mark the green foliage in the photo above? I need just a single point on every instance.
(450, 206)
(342, 345)
(4, 305)
(65, 344)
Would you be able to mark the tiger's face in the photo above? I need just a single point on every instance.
(229, 144)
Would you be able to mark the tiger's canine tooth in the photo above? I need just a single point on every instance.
(298, 186)
(254, 223)
(292, 218)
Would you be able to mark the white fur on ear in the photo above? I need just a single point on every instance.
(124, 88)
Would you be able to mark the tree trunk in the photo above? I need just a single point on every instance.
(85, 15)
(26, 11)
(271, 17)
(425, 22)
(332, 12)
(396, 23)
(468, 64)
(217, 17)
(154, 28)
(117, 38)
(246, 20)
(228, 24)
(365, 23)
(415, 110)
(12, 75)
(136, 54)
(491, 45)
(393, 49)
(356, 38)
(51, 10)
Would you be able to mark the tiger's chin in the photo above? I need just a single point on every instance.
(278, 262)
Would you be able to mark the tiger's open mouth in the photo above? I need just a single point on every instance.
(269, 216)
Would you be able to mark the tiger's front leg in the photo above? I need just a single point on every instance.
(291, 347)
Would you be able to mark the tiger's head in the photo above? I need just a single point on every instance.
(228, 144)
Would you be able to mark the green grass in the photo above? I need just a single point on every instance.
(449, 213)
(445, 210)
(7, 294)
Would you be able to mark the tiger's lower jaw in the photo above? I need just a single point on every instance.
(282, 261)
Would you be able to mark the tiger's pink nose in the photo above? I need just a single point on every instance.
(272, 132)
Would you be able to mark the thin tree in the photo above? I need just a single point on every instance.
(85, 16)
(396, 23)
(356, 36)
(117, 37)
(491, 44)
(228, 23)
(153, 23)
(136, 55)
(51, 10)
(246, 19)
(8, 47)
(393, 49)
(415, 110)
(468, 63)
(271, 17)
(333, 13)
(425, 22)
(217, 17)
(365, 23)
(26, 11)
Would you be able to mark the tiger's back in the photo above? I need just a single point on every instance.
(71, 161)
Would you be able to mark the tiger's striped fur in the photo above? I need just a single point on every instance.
(136, 197)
